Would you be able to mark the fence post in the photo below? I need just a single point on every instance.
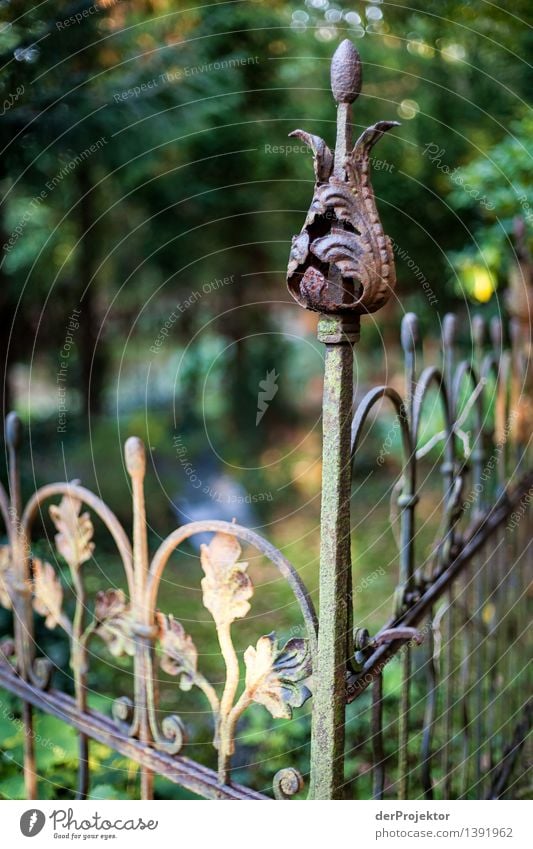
(341, 266)
(327, 748)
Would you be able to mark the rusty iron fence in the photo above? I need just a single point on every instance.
(440, 690)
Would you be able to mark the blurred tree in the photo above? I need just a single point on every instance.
(193, 180)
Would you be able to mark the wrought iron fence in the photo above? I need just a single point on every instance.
(440, 689)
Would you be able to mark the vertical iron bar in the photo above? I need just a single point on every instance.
(500, 442)
(327, 743)
(79, 667)
(467, 648)
(448, 694)
(22, 606)
(403, 726)
(491, 659)
(449, 471)
(378, 752)
(135, 456)
(407, 502)
(479, 566)
(429, 713)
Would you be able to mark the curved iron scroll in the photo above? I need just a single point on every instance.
(495, 413)
(276, 676)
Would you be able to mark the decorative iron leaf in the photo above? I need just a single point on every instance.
(226, 586)
(274, 676)
(369, 137)
(343, 201)
(48, 593)
(109, 604)
(5, 576)
(75, 531)
(180, 656)
(341, 248)
(114, 622)
(322, 155)
(339, 197)
(299, 251)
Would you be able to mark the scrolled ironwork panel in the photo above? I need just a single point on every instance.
(275, 674)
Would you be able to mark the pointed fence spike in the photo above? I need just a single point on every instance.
(449, 330)
(14, 431)
(479, 331)
(346, 73)
(135, 456)
(496, 333)
(410, 333)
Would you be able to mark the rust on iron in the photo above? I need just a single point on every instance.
(464, 596)
(341, 261)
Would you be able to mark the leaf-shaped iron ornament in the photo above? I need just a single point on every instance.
(6, 576)
(179, 654)
(274, 676)
(75, 531)
(113, 622)
(342, 262)
(226, 586)
(48, 593)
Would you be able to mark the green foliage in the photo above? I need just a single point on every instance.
(504, 177)
(193, 181)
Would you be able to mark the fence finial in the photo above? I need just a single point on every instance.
(479, 331)
(449, 330)
(496, 334)
(135, 455)
(346, 73)
(410, 334)
(13, 430)
(342, 262)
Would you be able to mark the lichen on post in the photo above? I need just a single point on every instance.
(342, 266)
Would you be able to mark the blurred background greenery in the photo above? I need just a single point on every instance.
(149, 195)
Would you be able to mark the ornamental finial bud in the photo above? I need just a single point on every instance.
(346, 73)
(341, 262)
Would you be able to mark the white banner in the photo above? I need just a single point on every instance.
(309, 824)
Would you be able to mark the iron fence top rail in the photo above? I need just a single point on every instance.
(180, 770)
(481, 532)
